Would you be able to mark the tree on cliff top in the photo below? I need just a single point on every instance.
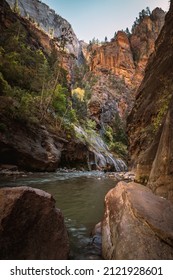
(16, 7)
(142, 15)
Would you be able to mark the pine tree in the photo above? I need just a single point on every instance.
(127, 31)
(115, 34)
(148, 11)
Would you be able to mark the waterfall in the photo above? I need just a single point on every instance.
(99, 156)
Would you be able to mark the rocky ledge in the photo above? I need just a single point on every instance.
(137, 224)
(30, 226)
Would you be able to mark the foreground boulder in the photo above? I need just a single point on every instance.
(137, 224)
(30, 226)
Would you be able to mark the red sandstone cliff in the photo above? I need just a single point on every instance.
(127, 55)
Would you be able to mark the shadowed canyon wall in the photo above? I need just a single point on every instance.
(150, 126)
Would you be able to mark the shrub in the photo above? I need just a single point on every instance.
(5, 88)
(119, 148)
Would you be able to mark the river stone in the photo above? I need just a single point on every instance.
(30, 226)
(137, 224)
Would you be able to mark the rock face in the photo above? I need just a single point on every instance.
(137, 224)
(29, 147)
(150, 122)
(127, 55)
(119, 68)
(115, 56)
(142, 42)
(50, 22)
(30, 226)
(32, 146)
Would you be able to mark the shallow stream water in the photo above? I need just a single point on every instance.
(80, 196)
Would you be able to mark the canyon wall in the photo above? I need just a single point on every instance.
(49, 21)
(127, 54)
(119, 67)
(150, 122)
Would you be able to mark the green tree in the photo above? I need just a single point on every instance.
(148, 12)
(127, 32)
(16, 7)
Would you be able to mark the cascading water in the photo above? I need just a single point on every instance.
(99, 156)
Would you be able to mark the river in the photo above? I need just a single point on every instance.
(80, 196)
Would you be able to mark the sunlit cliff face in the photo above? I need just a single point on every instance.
(127, 55)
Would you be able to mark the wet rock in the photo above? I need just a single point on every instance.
(97, 229)
(89, 152)
(10, 170)
(8, 167)
(137, 224)
(96, 242)
(30, 226)
(121, 176)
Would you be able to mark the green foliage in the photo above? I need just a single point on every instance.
(142, 15)
(80, 107)
(162, 105)
(59, 101)
(115, 35)
(119, 130)
(116, 138)
(108, 134)
(119, 148)
(94, 41)
(5, 89)
(16, 7)
(32, 78)
(159, 118)
(90, 125)
(72, 116)
(127, 32)
(84, 80)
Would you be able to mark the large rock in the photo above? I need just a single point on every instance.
(137, 224)
(30, 226)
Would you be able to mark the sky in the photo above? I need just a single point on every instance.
(102, 18)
